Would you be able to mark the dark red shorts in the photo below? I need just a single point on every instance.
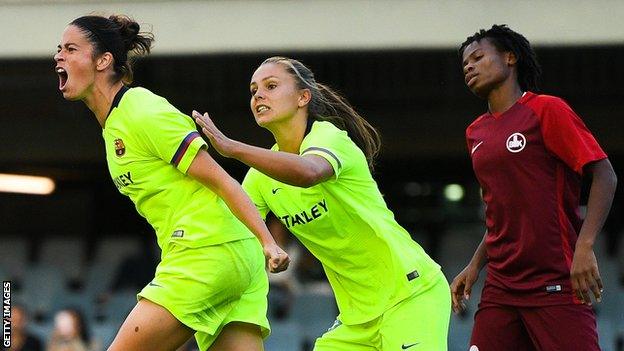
(547, 328)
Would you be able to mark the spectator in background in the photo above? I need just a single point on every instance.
(70, 332)
(21, 340)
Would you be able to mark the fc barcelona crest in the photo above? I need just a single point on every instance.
(120, 148)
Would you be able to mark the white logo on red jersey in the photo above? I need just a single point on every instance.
(474, 148)
(516, 142)
(474, 348)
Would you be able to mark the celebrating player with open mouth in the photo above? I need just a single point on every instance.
(211, 280)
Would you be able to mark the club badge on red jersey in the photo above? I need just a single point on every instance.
(516, 142)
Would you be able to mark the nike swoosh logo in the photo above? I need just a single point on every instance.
(274, 191)
(405, 347)
(474, 148)
(154, 284)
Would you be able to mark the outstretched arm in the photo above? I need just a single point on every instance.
(302, 171)
(461, 287)
(207, 171)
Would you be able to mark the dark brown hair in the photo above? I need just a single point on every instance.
(119, 35)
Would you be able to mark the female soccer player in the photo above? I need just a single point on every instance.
(211, 279)
(317, 181)
(529, 152)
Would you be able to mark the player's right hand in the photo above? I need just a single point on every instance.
(218, 140)
(461, 287)
(277, 259)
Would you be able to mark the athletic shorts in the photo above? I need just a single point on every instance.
(208, 287)
(420, 322)
(552, 328)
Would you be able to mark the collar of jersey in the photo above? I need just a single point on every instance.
(525, 96)
(117, 98)
(307, 131)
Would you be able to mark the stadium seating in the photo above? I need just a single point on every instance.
(14, 257)
(67, 254)
(315, 313)
(606, 334)
(98, 279)
(104, 333)
(41, 330)
(459, 332)
(284, 336)
(117, 308)
(312, 310)
(113, 249)
(3, 274)
(457, 247)
(76, 300)
(40, 285)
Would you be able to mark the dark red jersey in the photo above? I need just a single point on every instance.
(529, 162)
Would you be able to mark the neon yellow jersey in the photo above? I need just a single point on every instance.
(370, 260)
(149, 148)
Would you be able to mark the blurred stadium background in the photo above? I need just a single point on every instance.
(84, 246)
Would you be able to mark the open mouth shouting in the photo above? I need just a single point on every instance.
(63, 77)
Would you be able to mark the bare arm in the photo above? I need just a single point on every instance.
(208, 172)
(584, 273)
(479, 258)
(599, 202)
(278, 230)
(461, 287)
(301, 171)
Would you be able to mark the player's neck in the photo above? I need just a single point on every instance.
(289, 135)
(101, 99)
(503, 97)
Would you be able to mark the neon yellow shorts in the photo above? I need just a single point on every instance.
(208, 287)
(420, 322)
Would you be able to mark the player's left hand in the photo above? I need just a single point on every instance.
(277, 259)
(584, 274)
(218, 140)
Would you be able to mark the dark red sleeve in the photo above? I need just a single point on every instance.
(468, 134)
(565, 134)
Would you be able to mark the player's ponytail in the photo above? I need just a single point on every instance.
(119, 35)
(328, 105)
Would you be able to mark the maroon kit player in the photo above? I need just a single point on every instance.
(529, 152)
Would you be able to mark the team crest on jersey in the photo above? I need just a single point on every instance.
(516, 142)
(120, 148)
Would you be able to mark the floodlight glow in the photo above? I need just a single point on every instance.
(454, 192)
(22, 184)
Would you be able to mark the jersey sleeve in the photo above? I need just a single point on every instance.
(251, 185)
(566, 136)
(171, 135)
(332, 144)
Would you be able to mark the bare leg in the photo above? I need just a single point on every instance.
(238, 336)
(150, 327)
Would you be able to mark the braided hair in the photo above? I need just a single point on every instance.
(506, 40)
